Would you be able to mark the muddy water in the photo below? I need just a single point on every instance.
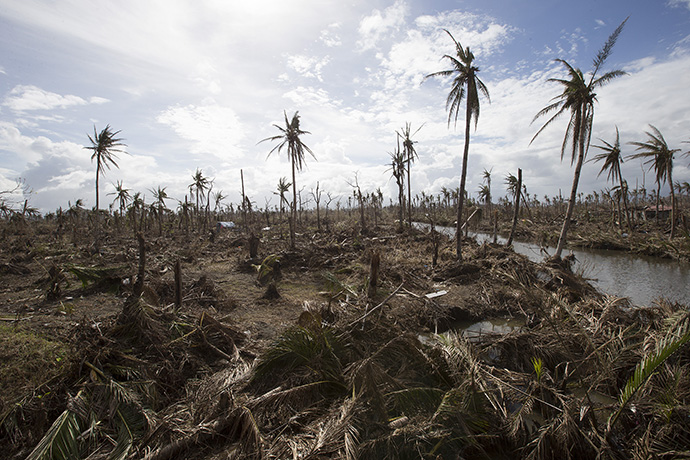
(642, 279)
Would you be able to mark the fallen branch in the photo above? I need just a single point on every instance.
(378, 306)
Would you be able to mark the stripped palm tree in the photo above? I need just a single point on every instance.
(578, 98)
(465, 83)
(660, 157)
(160, 196)
(289, 138)
(612, 163)
(409, 153)
(398, 171)
(122, 196)
(104, 145)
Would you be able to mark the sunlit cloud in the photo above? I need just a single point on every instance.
(23, 98)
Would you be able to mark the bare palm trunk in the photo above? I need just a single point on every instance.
(624, 191)
(293, 211)
(571, 204)
(673, 205)
(516, 211)
(98, 170)
(409, 190)
(463, 178)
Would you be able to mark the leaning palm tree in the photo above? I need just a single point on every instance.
(660, 157)
(289, 138)
(613, 158)
(465, 83)
(104, 145)
(410, 154)
(578, 97)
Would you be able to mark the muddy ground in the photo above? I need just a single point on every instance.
(85, 342)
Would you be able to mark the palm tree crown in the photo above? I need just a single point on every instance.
(465, 83)
(104, 145)
(613, 159)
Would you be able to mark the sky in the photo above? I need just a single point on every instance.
(198, 84)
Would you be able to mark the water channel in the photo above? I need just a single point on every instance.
(640, 278)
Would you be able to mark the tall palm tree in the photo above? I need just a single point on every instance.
(104, 145)
(578, 97)
(410, 154)
(613, 158)
(465, 83)
(660, 157)
(289, 138)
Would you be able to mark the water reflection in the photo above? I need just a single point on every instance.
(642, 279)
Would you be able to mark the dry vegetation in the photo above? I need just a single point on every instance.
(296, 353)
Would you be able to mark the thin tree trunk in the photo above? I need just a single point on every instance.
(409, 190)
(244, 202)
(571, 204)
(516, 211)
(673, 205)
(98, 170)
(463, 178)
(293, 211)
(624, 190)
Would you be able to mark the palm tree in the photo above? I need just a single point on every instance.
(465, 83)
(122, 196)
(409, 154)
(289, 138)
(398, 171)
(200, 184)
(487, 177)
(283, 188)
(160, 196)
(660, 157)
(578, 97)
(104, 145)
(612, 163)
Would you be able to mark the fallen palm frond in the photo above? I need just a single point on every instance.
(316, 350)
(61, 442)
(107, 276)
(666, 347)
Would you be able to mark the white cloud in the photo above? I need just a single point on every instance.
(380, 23)
(308, 66)
(330, 36)
(685, 3)
(210, 128)
(23, 98)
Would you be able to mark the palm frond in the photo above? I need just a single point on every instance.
(61, 441)
(648, 365)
